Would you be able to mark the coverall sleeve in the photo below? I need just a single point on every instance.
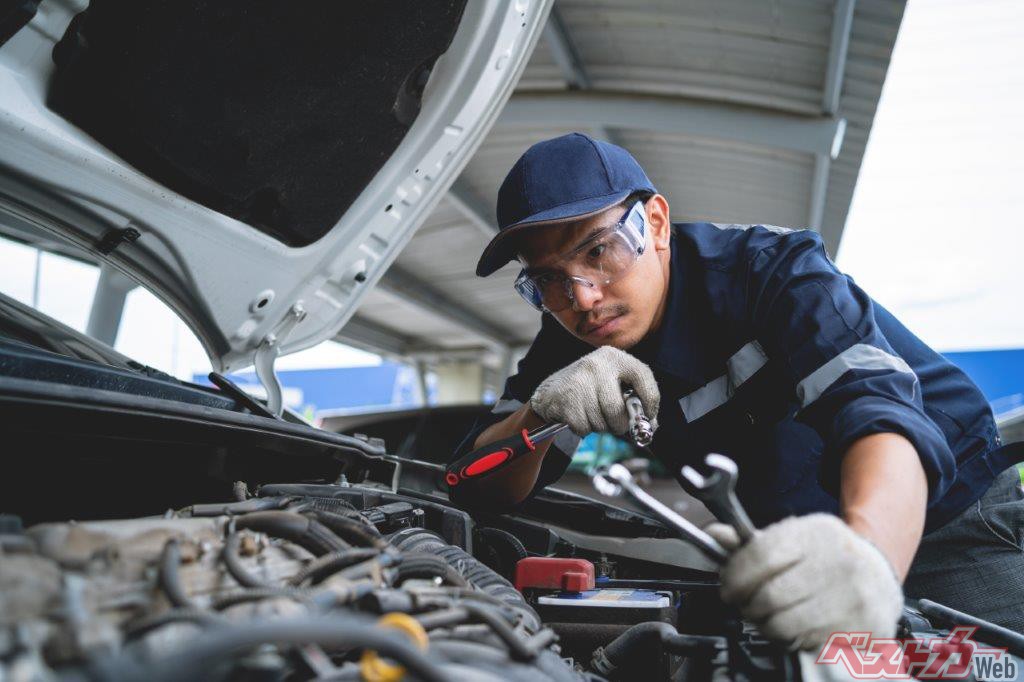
(848, 381)
(546, 356)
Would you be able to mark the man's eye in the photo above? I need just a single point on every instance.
(596, 251)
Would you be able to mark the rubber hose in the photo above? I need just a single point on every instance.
(198, 617)
(353, 530)
(305, 532)
(645, 641)
(200, 656)
(169, 578)
(428, 566)
(419, 540)
(328, 564)
(229, 555)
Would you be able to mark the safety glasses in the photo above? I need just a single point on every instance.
(603, 258)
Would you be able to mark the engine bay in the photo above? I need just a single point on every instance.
(316, 581)
(186, 560)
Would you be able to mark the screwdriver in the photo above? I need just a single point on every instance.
(502, 453)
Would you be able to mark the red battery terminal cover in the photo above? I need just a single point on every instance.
(553, 573)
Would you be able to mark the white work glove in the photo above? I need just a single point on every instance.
(805, 577)
(587, 395)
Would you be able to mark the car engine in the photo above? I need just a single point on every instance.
(318, 581)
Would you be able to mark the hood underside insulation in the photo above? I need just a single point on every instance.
(277, 114)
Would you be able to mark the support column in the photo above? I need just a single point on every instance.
(108, 305)
(460, 381)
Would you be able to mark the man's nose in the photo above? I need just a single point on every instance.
(584, 296)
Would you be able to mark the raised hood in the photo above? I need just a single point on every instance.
(256, 165)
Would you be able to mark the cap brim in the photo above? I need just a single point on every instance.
(501, 248)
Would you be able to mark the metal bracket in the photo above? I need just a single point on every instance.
(266, 356)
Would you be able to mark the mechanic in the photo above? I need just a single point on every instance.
(853, 438)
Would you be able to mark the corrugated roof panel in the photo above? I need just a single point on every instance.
(770, 55)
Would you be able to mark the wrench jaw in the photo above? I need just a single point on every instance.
(717, 491)
(606, 486)
(617, 480)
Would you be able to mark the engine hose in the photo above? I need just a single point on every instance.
(645, 641)
(328, 564)
(353, 530)
(428, 566)
(313, 597)
(196, 659)
(168, 577)
(419, 540)
(147, 624)
(308, 533)
(229, 555)
(988, 632)
(517, 646)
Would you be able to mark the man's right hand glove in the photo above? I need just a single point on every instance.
(806, 577)
(587, 395)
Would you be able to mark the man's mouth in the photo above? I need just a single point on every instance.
(603, 328)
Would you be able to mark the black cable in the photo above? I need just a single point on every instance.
(146, 624)
(644, 641)
(200, 656)
(229, 554)
(328, 564)
(987, 632)
(442, 618)
(308, 533)
(168, 577)
(269, 592)
(354, 530)
(428, 566)
(518, 647)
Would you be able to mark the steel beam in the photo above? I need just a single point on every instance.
(819, 191)
(413, 291)
(108, 305)
(677, 115)
(472, 207)
(556, 34)
(563, 51)
(368, 335)
(842, 23)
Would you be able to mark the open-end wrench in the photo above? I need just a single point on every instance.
(617, 480)
(717, 491)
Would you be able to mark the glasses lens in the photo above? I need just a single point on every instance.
(602, 260)
(606, 259)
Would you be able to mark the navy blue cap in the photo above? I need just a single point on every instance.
(560, 180)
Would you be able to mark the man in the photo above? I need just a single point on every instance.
(853, 438)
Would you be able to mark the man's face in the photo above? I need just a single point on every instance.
(619, 314)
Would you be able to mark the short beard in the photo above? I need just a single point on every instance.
(608, 312)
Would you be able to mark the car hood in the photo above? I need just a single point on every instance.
(220, 160)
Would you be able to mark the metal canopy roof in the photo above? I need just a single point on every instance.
(739, 111)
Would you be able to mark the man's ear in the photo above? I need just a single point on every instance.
(658, 222)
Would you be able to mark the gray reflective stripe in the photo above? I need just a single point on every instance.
(741, 366)
(506, 406)
(771, 228)
(860, 356)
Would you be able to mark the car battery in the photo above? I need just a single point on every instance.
(610, 606)
(564, 590)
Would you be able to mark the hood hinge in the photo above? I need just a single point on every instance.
(266, 355)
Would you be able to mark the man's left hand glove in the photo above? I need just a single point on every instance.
(803, 578)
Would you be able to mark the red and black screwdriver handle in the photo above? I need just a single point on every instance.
(493, 456)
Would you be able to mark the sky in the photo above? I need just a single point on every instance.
(936, 227)
(935, 231)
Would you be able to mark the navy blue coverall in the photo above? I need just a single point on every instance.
(768, 354)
